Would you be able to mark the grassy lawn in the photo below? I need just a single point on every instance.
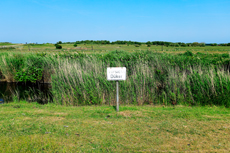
(30, 127)
(95, 48)
(5, 44)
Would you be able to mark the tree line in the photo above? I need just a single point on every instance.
(149, 43)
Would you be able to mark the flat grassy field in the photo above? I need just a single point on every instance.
(5, 44)
(98, 48)
(30, 127)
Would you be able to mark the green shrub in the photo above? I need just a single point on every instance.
(176, 45)
(202, 44)
(58, 46)
(188, 53)
(183, 45)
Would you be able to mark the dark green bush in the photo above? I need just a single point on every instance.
(188, 53)
(58, 46)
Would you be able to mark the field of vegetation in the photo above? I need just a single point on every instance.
(31, 127)
(175, 98)
(102, 47)
(192, 75)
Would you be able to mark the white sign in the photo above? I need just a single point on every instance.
(116, 73)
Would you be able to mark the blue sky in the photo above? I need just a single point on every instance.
(136, 20)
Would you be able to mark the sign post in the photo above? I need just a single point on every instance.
(117, 96)
(116, 74)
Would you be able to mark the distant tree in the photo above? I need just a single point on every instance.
(183, 45)
(58, 46)
(161, 43)
(223, 44)
(177, 45)
(75, 45)
(214, 44)
(167, 43)
(148, 43)
(154, 43)
(194, 44)
(202, 44)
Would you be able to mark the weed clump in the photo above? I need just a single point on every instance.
(188, 53)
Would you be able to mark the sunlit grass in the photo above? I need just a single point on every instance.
(50, 128)
(95, 48)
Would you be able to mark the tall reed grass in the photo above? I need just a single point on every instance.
(152, 79)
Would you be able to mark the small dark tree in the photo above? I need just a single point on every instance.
(183, 45)
(194, 44)
(214, 44)
(58, 46)
(202, 44)
(177, 45)
(148, 43)
(154, 43)
(167, 44)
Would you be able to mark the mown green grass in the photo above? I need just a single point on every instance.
(29, 127)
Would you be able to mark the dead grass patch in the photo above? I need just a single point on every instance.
(125, 113)
(54, 119)
(60, 113)
(26, 118)
(208, 116)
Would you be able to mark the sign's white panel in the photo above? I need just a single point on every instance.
(116, 73)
